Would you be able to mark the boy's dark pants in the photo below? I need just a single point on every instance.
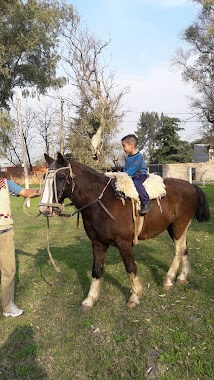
(144, 198)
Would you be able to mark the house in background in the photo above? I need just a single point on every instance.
(4, 164)
(200, 170)
(203, 153)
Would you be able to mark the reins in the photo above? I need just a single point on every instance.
(97, 200)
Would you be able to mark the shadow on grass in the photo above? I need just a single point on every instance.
(78, 257)
(18, 356)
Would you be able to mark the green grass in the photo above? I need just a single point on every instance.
(168, 337)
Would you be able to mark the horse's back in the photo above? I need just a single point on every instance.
(177, 208)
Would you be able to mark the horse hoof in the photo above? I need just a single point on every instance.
(85, 308)
(181, 282)
(131, 305)
(167, 288)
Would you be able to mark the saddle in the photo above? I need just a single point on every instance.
(123, 187)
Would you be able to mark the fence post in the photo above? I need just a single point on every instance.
(190, 174)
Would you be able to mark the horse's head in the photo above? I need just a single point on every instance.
(58, 185)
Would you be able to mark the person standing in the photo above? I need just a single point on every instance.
(7, 248)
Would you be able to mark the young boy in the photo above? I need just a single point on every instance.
(135, 167)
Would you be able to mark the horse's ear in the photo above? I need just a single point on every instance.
(48, 159)
(61, 159)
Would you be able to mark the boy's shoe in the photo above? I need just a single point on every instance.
(145, 208)
(14, 312)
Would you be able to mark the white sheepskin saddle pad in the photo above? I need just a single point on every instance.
(154, 185)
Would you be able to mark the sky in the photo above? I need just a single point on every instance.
(144, 37)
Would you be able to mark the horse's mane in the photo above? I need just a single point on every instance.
(91, 171)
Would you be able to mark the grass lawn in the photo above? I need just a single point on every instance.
(168, 337)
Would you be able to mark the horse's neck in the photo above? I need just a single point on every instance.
(88, 184)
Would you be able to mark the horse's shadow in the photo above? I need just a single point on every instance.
(78, 257)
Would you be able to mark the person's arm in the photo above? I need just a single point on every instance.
(18, 190)
(26, 192)
(134, 165)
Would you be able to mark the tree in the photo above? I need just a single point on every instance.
(197, 62)
(12, 150)
(147, 128)
(169, 146)
(47, 127)
(29, 38)
(6, 128)
(98, 100)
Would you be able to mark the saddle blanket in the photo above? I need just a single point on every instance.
(154, 185)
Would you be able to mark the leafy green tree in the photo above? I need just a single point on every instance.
(147, 128)
(7, 129)
(170, 148)
(196, 63)
(29, 38)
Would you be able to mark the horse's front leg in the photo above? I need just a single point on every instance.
(127, 254)
(99, 251)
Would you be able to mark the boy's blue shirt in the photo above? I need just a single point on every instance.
(135, 165)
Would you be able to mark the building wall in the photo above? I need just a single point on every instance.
(204, 171)
(16, 173)
(4, 163)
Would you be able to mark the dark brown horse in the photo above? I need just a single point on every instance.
(84, 185)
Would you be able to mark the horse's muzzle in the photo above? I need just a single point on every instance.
(49, 210)
(46, 210)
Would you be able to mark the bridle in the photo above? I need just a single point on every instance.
(50, 178)
(69, 178)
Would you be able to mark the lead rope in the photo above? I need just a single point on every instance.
(48, 247)
(48, 232)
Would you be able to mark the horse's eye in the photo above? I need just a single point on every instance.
(60, 177)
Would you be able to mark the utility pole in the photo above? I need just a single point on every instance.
(52, 143)
(23, 145)
(61, 129)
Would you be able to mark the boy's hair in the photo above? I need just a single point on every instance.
(130, 139)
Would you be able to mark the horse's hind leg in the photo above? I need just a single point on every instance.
(180, 257)
(127, 254)
(182, 278)
(99, 251)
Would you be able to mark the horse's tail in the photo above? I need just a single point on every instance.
(202, 212)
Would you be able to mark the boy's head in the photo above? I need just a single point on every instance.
(129, 144)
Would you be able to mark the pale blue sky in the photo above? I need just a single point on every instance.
(144, 36)
(144, 33)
